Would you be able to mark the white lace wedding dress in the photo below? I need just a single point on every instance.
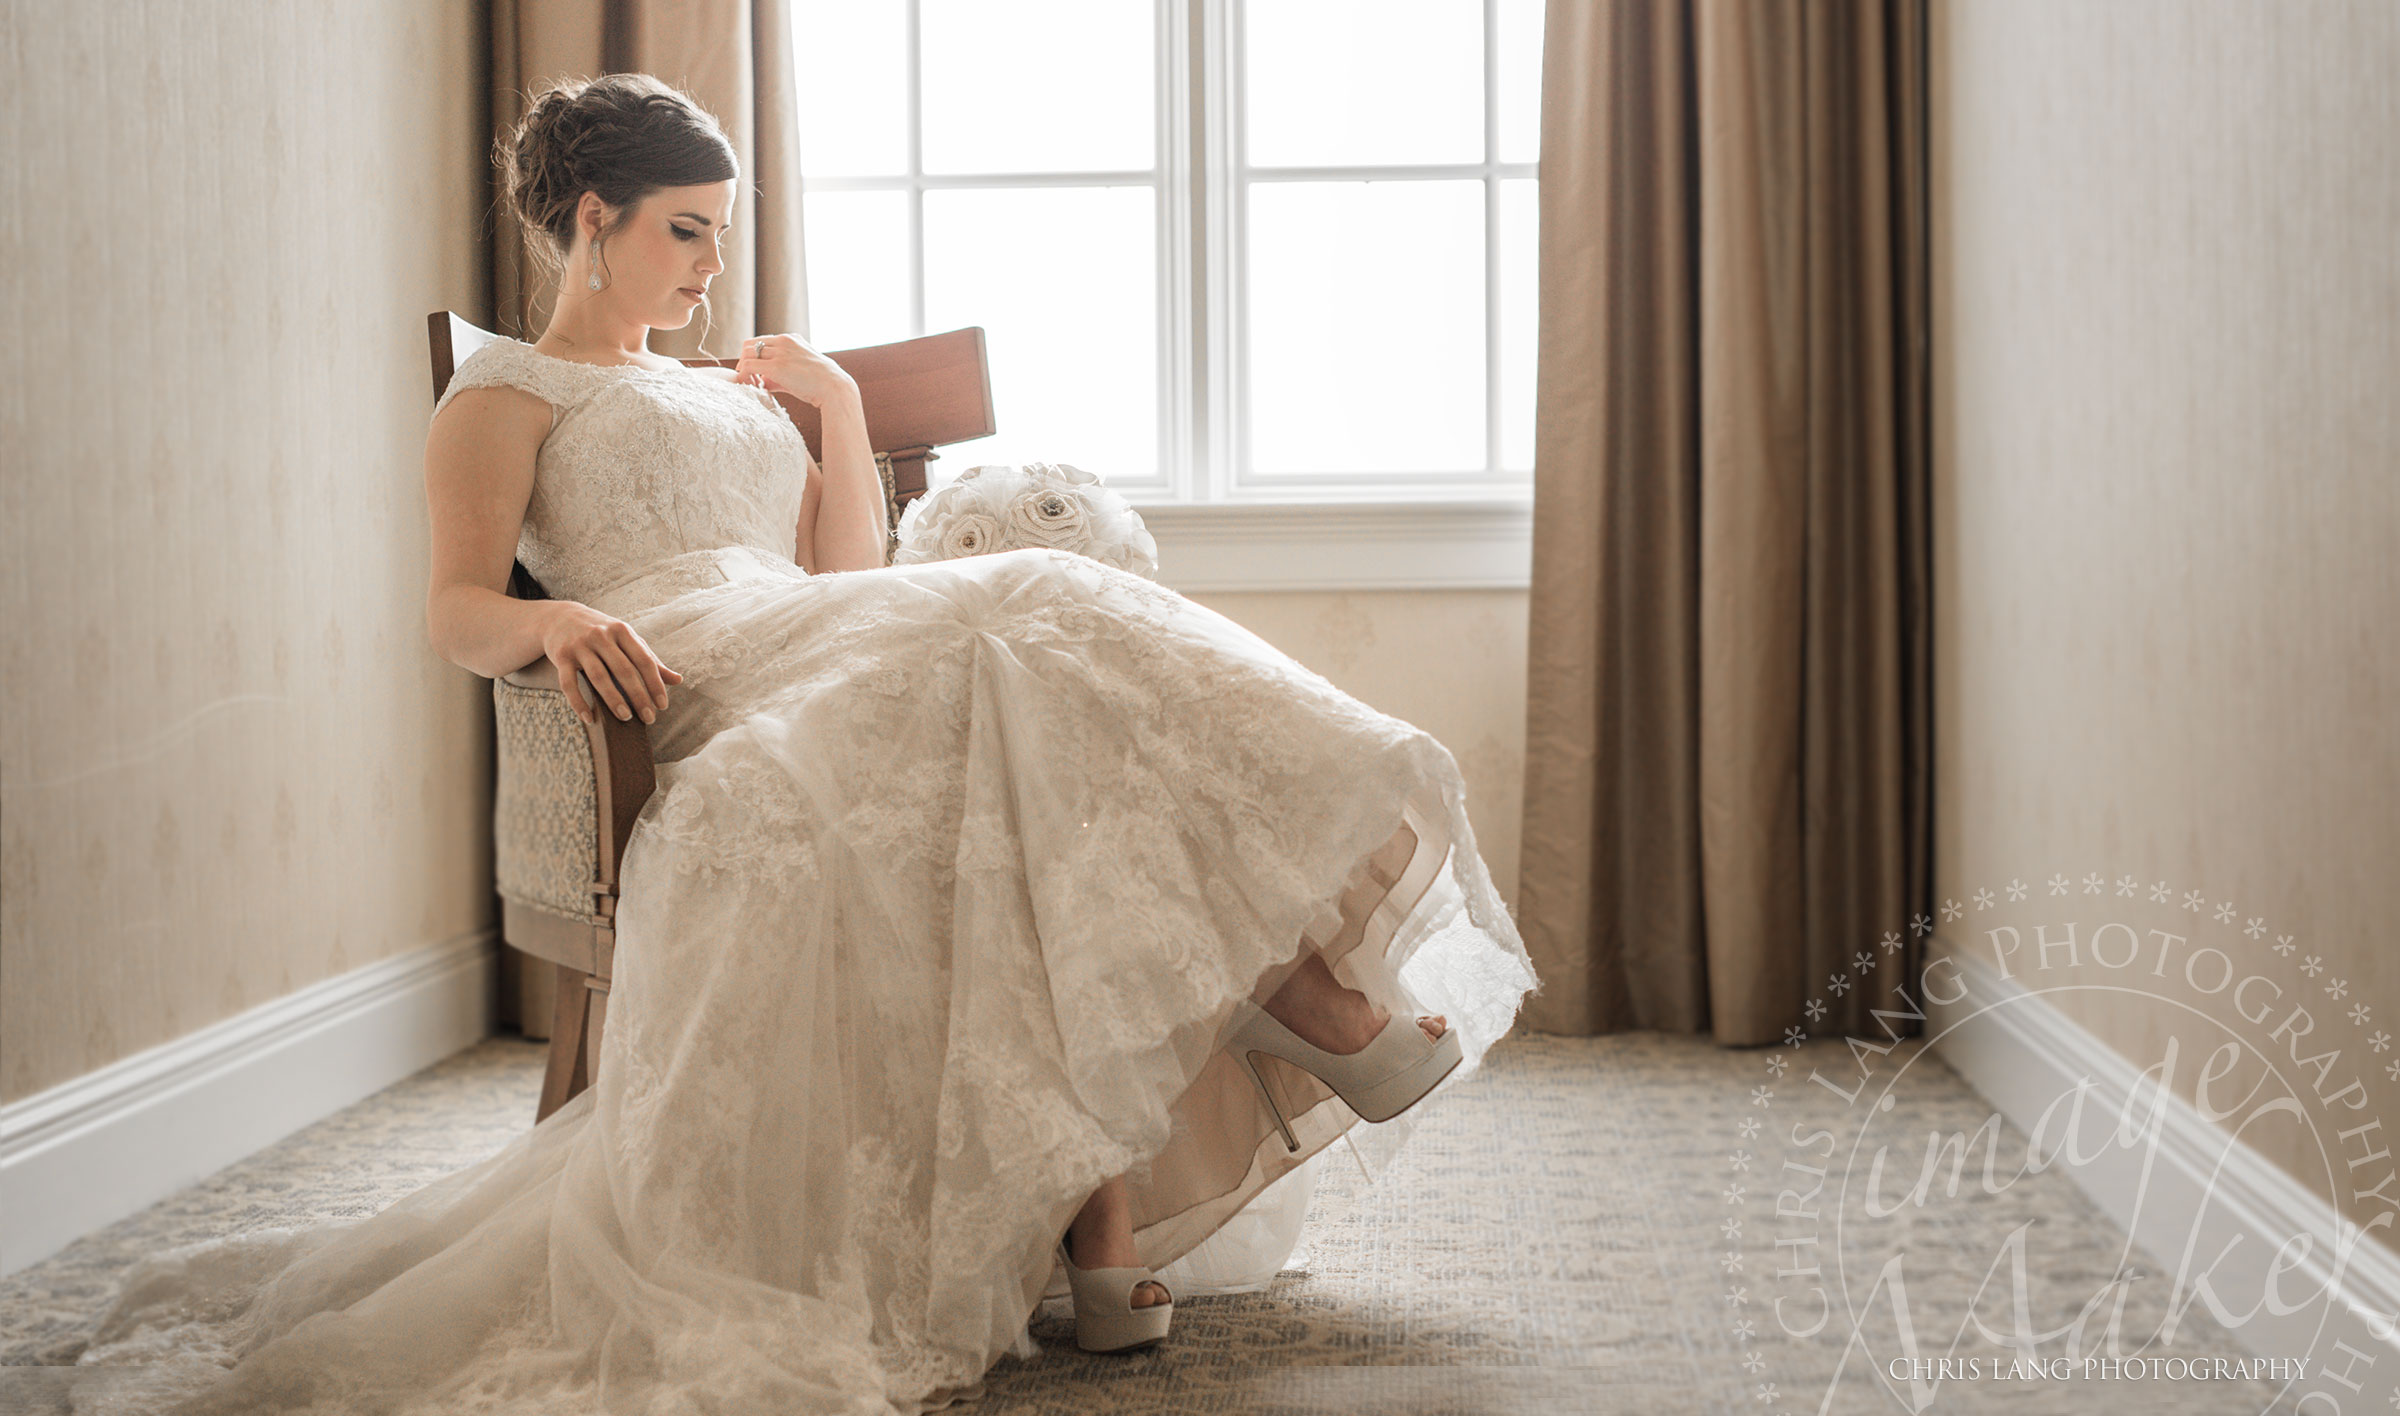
(953, 878)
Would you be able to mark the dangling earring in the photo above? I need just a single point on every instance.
(594, 282)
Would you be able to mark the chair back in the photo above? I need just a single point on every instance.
(451, 339)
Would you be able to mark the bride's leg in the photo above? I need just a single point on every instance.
(1312, 1003)
(1102, 1237)
(1327, 1015)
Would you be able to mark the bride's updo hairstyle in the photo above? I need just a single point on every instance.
(622, 136)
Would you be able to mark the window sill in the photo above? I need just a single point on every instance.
(1329, 545)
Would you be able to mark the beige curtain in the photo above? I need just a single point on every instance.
(1727, 721)
(735, 57)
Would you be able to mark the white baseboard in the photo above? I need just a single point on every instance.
(2207, 1190)
(88, 1152)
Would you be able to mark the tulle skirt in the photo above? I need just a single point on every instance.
(953, 879)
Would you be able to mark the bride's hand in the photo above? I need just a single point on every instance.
(781, 363)
(611, 655)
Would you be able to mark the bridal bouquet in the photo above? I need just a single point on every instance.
(1000, 507)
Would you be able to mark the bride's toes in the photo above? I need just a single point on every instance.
(1149, 1295)
(1434, 1026)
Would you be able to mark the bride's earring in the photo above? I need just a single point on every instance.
(594, 282)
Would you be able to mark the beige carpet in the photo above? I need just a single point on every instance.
(1562, 1235)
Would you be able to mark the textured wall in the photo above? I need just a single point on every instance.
(1450, 661)
(230, 765)
(2167, 364)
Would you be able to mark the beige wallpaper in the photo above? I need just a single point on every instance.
(1450, 661)
(2167, 498)
(230, 765)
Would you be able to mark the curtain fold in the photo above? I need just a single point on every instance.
(735, 57)
(1727, 795)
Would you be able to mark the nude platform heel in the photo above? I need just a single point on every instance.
(1105, 1318)
(1395, 1071)
(1379, 1081)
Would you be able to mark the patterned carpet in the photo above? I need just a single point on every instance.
(1587, 1226)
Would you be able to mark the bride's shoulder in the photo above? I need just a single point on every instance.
(500, 351)
(504, 361)
(505, 365)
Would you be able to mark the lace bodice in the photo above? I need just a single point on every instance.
(642, 465)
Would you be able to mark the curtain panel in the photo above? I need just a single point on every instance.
(1728, 730)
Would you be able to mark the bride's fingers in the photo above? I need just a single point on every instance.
(646, 667)
(629, 679)
(576, 700)
(597, 671)
(584, 688)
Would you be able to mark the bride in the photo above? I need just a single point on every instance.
(1000, 927)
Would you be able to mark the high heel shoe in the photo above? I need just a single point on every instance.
(1379, 1081)
(1392, 1073)
(1105, 1318)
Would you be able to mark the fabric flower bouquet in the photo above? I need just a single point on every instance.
(1001, 507)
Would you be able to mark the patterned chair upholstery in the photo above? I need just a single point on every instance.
(567, 793)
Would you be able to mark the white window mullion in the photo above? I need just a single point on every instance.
(938, 181)
(1177, 373)
(1491, 238)
(1233, 235)
(916, 170)
(1220, 188)
(1391, 172)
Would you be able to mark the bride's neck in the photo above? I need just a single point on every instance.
(580, 323)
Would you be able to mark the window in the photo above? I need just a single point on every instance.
(1225, 251)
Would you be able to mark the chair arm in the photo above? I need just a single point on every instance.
(541, 674)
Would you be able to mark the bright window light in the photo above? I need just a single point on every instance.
(1222, 250)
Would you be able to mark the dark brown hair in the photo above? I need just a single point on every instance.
(622, 136)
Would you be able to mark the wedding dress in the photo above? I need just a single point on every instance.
(953, 878)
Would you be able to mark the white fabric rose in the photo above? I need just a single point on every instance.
(1052, 516)
(967, 533)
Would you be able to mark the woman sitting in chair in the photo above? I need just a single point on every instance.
(1000, 926)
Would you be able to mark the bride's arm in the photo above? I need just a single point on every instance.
(802, 549)
(841, 506)
(844, 530)
(479, 459)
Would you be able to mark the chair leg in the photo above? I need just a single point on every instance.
(566, 1074)
(591, 1043)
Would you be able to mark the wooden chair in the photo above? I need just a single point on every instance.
(567, 793)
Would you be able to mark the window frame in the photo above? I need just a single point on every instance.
(1224, 187)
(1221, 525)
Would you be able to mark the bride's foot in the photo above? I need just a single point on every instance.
(1330, 1017)
(1102, 1237)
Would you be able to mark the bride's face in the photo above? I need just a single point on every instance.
(660, 262)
